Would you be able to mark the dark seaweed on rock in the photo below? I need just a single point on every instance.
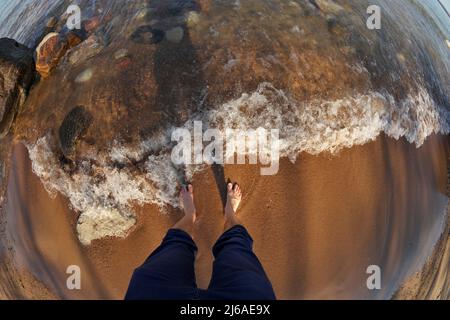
(74, 126)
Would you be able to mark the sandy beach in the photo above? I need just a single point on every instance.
(317, 225)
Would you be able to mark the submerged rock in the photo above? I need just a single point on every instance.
(101, 223)
(85, 76)
(16, 76)
(192, 19)
(74, 126)
(123, 63)
(88, 49)
(92, 24)
(52, 22)
(175, 35)
(328, 6)
(121, 53)
(147, 35)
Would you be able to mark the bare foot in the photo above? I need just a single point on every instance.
(234, 197)
(187, 201)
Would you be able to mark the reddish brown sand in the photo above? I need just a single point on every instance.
(317, 225)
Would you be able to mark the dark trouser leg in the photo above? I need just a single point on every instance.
(237, 272)
(168, 273)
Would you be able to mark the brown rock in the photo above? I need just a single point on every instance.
(73, 39)
(16, 76)
(88, 49)
(52, 49)
(51, 23)
(205, 5)
(49, 52)
(91, 24)
(124, 63)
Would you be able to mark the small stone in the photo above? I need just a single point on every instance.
(73, 39)
(205, 5)
(401, 58)
(73, 127)
(85, 76)
(91, 24)
(51, 23)
(296, 29)
(147, 35)
(121, 53)
(175, 35)
(192, 19)
(124, 63)
(328, 6)
(143, 14)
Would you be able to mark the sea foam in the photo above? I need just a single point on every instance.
(105, 193)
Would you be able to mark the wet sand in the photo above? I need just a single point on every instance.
(317, 225)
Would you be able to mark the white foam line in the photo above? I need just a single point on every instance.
(105, 194)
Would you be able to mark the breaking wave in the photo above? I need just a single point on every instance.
(105, 187)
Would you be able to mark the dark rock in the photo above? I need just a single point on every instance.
(74, 126)
(314, 3)
(17, 71)
(147, 35)
(331, 22)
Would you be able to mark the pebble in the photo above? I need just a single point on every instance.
(51, 23)
(91, 24)
(401, 58)
(143, 14)
(192, 19)
(175, 35)
(147, 34)
(85, 76)
(124, 63)
(121, 53)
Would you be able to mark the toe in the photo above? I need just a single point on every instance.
(230, 187)
(238, 192)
